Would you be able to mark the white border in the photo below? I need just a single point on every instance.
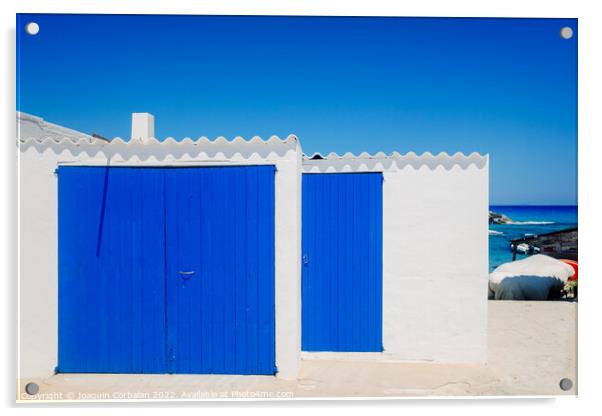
(590, 132)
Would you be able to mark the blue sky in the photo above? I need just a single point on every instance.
(507, 87)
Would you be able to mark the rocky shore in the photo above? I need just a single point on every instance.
(496, 218)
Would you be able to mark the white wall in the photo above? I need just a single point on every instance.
(434, 249)
(38, 284)
(435, 253)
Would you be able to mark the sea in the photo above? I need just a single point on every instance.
(526, 219)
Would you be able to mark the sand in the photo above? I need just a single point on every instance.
(532, 346)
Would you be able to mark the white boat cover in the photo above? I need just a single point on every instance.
(537, 277)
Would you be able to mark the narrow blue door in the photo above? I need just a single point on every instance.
(342, 262)
(220, 270)
(111, 260)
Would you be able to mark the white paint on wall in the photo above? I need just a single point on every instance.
(435, 253)
(42, 149)
(288, 250)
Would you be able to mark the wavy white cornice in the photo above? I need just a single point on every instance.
(170, 141)
(155, 149)
(365, 162)
(36, 134)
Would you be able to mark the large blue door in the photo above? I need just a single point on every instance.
(166, 270)
(220, 270)
(111, 270)
(342, 262)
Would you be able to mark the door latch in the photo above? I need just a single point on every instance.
(186, 275)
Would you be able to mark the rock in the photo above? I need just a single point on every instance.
(496, 218)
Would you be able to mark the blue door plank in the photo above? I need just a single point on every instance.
(342, 262)
(240, 283)
(252, 270)
(372, 284)
(229, 269)
(182, 244)
(378, 226)
(266, 306)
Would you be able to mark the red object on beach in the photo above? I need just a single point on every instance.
(573, 264)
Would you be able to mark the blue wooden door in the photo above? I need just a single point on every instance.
(220, 270)
(167, 270)
(111, 309)
(342, 262)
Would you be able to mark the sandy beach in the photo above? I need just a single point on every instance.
(532, 346)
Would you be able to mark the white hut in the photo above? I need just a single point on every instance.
(115, 258)
(433, 212)
(148, 256)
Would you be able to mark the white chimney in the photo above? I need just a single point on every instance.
(143, 126)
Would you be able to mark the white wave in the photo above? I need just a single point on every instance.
(530, 222)
(493, 232)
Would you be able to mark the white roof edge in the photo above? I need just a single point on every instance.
(35, 130)
(332, 156)
(395, 161)
(30, 125)
(154, 141)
